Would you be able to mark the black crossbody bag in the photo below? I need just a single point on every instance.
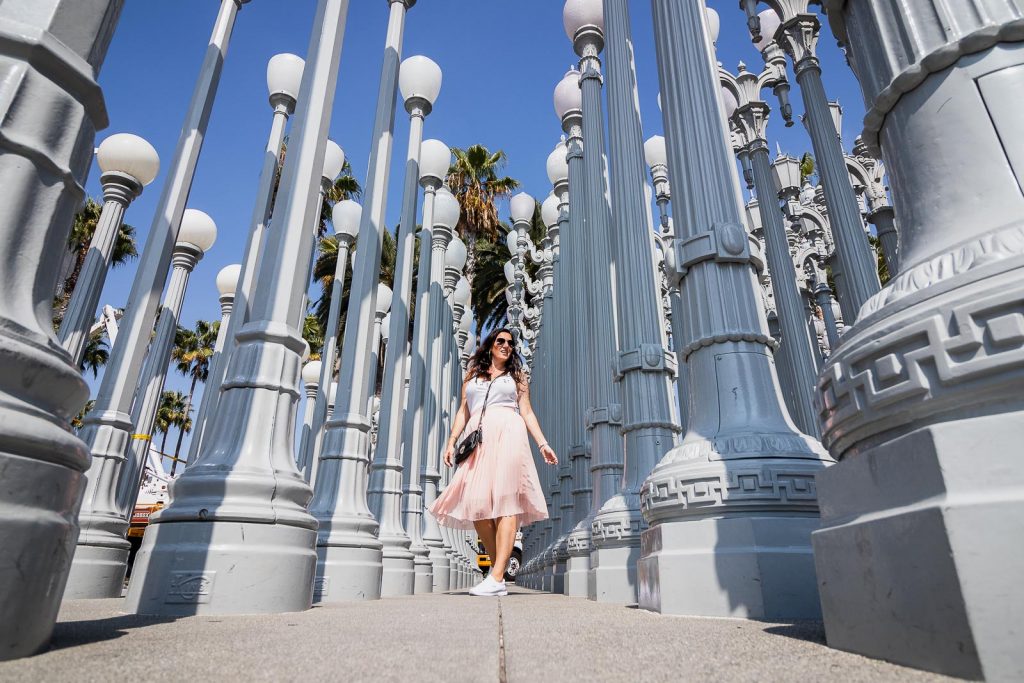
(465, 448)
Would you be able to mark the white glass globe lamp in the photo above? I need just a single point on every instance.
(455, 255)
(578, 14)
(383, 299)
(510, 272)
(129, 154)
(227, 279)
(568, 96)
(284, 75)
(462, 292)
(311, 372)
(522, 206)
(446, 209)
(346, 216)
(197, 229)
(334, 161)
(558, 165)
(654, 151)
(549, 210)
(435, 159)
(419, 76)
(770, 22)
(714, 24)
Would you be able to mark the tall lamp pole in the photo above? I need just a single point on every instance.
(742, 471)
(420, 83)
(284, 76)
(129, 163)
(348, 551)
(238, 516)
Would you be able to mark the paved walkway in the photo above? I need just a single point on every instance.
(527, 636)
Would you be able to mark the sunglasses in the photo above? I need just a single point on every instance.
(502, 341)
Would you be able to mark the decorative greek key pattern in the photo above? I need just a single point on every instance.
(904, 373)
(789, 485)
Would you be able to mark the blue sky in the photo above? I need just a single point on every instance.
(501, 61)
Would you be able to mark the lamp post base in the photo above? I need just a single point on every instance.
(97, 571)
(222, 567)
(351, 572)
(754, 566)
(439, 565)
(612, 576)
(915, 559)
(577, 567)
(425, 572)
(397, 572)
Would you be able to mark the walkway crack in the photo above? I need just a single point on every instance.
(502, 676)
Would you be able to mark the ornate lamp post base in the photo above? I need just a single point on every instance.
(348, 572)
(178, 568)
(398, 577)
(577, 565)
(757, 567)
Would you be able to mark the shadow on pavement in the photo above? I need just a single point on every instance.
(72, 633)
(811, 631)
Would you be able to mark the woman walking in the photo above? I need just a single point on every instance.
(496, 490)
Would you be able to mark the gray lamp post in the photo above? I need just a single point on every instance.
(101, 556)
(917, 557)
(880, 212)
(432, 154)
(348, 553)
(796, 354)
(109, 428)
(345, 216)
(284, 75)
(741, 483)
(238, 516)
(227, 283)
(382, 314)
(311, 383)
(611, 573)
(420, 82)
(53, 106)
(446, 217)
(128, 163)
(644, 367)
(797, 30)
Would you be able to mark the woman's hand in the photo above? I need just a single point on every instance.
(549, 454)
(449, 453)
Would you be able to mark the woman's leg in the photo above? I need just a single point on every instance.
(505, 539)
(486, 530)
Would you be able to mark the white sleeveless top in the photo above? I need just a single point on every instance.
(504, 394)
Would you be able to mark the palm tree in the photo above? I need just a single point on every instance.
(323, 272)
(96, 353)
(170, 413)
(313, 333)
(345, 187)
(192, 352)
(475, 182)
(80, 240)
(77, 420)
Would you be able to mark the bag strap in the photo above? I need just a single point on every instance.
(487, 395)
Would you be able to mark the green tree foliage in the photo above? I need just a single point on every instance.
(192, 353)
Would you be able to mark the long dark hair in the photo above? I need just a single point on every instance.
(480, 363)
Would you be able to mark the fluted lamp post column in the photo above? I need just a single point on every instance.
(128, 163)
(420, 82)
(345, 216)
(644, 367)
(796, 354)
(918, 559)
(53, 107)
(311, 384)
(797, 29)
(433, 155)
(238, 516)
(741, 483)
(348, 552)
(101, 555)
(284, 76)
(446, 217)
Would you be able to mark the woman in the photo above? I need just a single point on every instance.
(496, 490)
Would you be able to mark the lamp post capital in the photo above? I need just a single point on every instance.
(798, 36)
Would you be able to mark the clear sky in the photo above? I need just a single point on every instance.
(501, 61)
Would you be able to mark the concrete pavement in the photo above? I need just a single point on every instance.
(527, 636)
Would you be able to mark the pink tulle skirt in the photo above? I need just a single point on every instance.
(498, 480)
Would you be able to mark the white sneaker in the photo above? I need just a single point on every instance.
(489, 587)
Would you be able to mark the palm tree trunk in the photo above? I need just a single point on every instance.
(184, 421)
(470, 258)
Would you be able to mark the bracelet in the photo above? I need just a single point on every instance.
(542, 445)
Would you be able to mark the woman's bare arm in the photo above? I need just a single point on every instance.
(458, 424)
(533, 426)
